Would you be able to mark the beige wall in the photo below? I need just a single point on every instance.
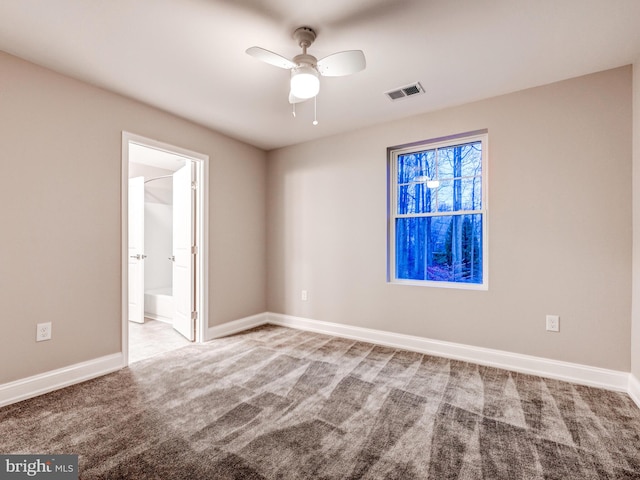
(559, 226)
(635, 329)
(60, 190)
(559, 223)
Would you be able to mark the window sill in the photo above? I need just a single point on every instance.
(454, 285)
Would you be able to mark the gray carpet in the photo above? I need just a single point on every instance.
(275, 403)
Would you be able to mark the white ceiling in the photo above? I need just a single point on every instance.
(188, 56)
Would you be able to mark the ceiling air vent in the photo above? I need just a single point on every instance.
(404, 92)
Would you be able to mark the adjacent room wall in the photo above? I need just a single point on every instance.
(559, 226)
(158, 225)
(60, 191)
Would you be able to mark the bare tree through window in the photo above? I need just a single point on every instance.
(438, 212)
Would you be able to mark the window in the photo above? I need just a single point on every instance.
(438, 208)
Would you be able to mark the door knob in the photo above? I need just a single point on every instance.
(139, 256)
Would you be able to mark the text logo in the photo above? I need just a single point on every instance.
(51, 467)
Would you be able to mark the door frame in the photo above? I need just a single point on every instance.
(201, 164)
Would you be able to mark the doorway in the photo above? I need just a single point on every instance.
(164, 212)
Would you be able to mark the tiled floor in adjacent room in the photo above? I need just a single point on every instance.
(151, 338)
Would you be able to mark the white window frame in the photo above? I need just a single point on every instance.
(392, 207)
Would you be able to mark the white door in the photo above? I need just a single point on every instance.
(184, 257)
(136, 249)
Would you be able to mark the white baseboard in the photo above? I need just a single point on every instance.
(593, 376)
(570, 372)
(22, 389)
(236, 326)
(634, 389)
(159, 318)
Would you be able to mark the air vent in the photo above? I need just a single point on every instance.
(396, 94)
(404, 92)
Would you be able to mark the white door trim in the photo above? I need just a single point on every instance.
(201, 163)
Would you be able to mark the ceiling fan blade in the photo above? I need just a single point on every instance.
(270, 57)
(342, 63)
(293, 99)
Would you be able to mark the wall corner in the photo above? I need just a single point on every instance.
(635, 195)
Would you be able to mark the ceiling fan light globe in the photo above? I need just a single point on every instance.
(305, 82)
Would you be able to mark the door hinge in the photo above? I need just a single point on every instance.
(194, 250)
(194, 315)
(194, 185)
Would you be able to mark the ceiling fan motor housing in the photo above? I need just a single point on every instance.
(305, 59)
(305, 36)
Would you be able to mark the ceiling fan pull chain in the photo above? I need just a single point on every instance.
(294, 110)
(315, 110)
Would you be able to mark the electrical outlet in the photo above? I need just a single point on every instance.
(43, 331)
(304, 296)
(553, 323)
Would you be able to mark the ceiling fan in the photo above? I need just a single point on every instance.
(306, 70)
